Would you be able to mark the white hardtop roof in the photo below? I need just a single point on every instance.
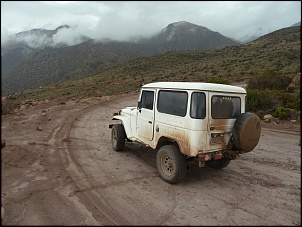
(196, 86)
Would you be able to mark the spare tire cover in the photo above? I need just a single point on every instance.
(246, 132)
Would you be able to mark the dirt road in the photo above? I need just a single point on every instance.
(58, 168)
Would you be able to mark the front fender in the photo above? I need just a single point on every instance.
(126, 122)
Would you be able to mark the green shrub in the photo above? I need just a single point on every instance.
(282, 113)
(261, 100)
(294, 88)
(288, 100)
(269, 79)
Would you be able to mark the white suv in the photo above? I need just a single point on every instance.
(205, 122)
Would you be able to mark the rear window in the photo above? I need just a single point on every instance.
(173, 102)
(198, 105)
(225, 107)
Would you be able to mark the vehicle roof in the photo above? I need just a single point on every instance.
(196, 86)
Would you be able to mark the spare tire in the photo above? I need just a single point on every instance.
(246, 132)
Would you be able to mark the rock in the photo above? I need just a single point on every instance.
(31, 142)
(4, 105)
(43, 112)
(98, 94)
(44, 143)
(3, 143)
(34, 103)
(66, 139)
(267, 117)
(2, 212)
(39, 128)
(272, 182)
(16, 118)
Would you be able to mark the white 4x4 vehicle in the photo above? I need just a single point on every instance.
(205, 122)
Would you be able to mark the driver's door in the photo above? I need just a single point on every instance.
(145, 116)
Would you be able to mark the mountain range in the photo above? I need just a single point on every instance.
(42, 61)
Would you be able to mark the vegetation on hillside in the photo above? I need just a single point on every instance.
(270, 92)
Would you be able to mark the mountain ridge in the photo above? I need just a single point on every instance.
(92, 56)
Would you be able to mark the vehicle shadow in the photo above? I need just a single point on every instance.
(194, 173)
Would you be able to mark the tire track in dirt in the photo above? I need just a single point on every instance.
(93, 201)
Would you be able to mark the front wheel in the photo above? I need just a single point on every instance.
(218, 164)
(171, 164)
(118, 137)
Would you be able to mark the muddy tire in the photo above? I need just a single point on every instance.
(118, 137)
(171, 164)
(246, 132)
(218, 164)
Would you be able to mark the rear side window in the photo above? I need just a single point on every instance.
(198, 105)
(147, 99)
(172, 102)
(225, 107)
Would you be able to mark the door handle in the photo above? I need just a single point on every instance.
(150, 122)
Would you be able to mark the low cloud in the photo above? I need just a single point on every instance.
(121, 20)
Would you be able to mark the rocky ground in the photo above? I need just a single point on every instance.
(58, 168)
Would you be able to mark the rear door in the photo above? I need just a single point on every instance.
(223, 110)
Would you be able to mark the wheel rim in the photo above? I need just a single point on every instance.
(167, 165)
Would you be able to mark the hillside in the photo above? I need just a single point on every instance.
(279, 51)
(52, 65)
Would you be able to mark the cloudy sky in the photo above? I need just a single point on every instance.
(123, 19)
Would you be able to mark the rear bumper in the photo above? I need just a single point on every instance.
(227, 154)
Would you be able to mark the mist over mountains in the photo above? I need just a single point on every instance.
(38, 57)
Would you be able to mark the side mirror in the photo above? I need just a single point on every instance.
(139, 105)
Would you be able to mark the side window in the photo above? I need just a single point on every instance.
(225, 107)
(147, 99)
(172, 102)
(198, 105)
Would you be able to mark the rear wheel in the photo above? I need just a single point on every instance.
(218, 164)
(171, 164)
(118, 137)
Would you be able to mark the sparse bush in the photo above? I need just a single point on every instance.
(261, 100)
(294, 88)
(288, 100)
(282, 113)
(269, 79)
